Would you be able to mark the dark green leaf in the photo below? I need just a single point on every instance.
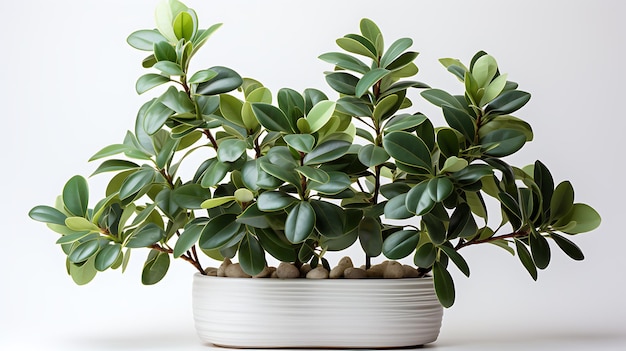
(458, 260)
(440, 188)
(462, 223)
(343, 83)
(226, 80)
(370, 236)
(215, 172)
(114, 165)
(254, 217)
(300, 142)
(313, 174)
(444, 285)
(219, 231)
(460, 120)
(327, 151)
(526, 259)
(418, 200)
(571, 249)
(436, 229)
(395, 50)
(272, 118)
(345, 61)
(472, 173)
(155, 117)
(404, 59)
(425, 255)
(84, 251)
(404, 122)
(107, 256)
(145, 236)
(76, 196)
(368, 80)
(329, 218)
(300, 222)
(540, 250)
(190, 196)
(276, 246)
(396, 208)
(155, 268)
(337, 183)
(274, 201)
(440, 97)
(408, 149)
(47, 214)
(400, 244)
(503, 142)
(189, 237)
(371, 155)
(136, 182)
(508, 102)
(251, 255)
(448, 142)
(285, 174)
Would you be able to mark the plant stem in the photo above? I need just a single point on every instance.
(516, 234)
(193, 262)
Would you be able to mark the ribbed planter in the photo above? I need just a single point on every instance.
(337, 313)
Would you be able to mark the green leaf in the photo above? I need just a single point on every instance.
(203, 35)
(189, 237)
(345, 61)
(253, 217)
(149, 81)
(493, 89)
(370, 236)
(526, 259)
(155, 117)
(76, 196)
(47, 214)
(231, 107)
(503, 142)
(114, 165)
(408, 149)
(183, 26)
(169, 68)
(425, 255)
(440, 97)
(458, 260)
(386, 107)
(80, 224)
(314, 174)
(371, 155)
(224, 81)
(230, 150)
(107, 256)
(570, 249)
(145, 236)
(214, 173)
(400, 244)
(562, 201)
(369, 79)
(484, 69)
(370, 30)
(343, 83)
(460, 121)
(82, 273)
(329, 218)
(363, 47)
(219, 231)
(155, 268)
(300, 142)
(506, 122)
(585, 218)
(444, 285)
(337, 183)
(436, 228)
(251, 256)
(396, 208)
(404, 122)
(402, 61)
(84, 251)
(472, 173)
(320, 114)
(395, 50)
(300, 222)
(136, 182)
(418, 200)
(217, 201)
(276, 245)
(327, 151)
(145, 39)
(540, 250)
(190, 196)
(270, 201)
(462, 223)
(440, 188)
(202, 76)
(453, 164)
(508, 102)
(272, 118)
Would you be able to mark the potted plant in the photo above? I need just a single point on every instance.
(295, 175)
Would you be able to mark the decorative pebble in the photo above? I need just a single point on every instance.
(337, 272)
(376, 271)
(265, 273)
(354, 273)
(346, 262)
(410, 272)
(287, 271)
(318, 272)
(304, 269)
(393, 270)
(235, 271)
(221, 272)
(211, 271)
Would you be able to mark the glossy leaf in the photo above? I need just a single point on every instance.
(460, 120)
(145, 236)
(526, 259)
(230, 108)
(217, 201)
(343, 83)
(503, 142)
(145, 39)
(418, 200)
(202, 76)
(400, 244)
(345, 61)
(114, 166)
(215, 172)
(47, 214)
(155, 117)
(82, 273)
(508, 102)
(320, 114)
(370, 236)
(404, 122)
(300, 222)
(313, 174)
(184, 26)
(444, 285)
(189, 237)
(253, 217)
(562, 201)
(251, 256)
(149, 81)
(225, 81)
(540, 250)
(230, 150)
(136, 182)
(371, 155)
(453, 164)
(337, 183)
(219, 231)
(190, 196)
(107, 256)
(457, 259)
(274, 201)
(386, 107)
(80, 224)
(408, 149)
(84, 251)
(272, 118)
(425, 255)
(300, 142)
(76, 196)
(396, 208)
(357, 47)
(395, 50)
(435, 228)
(329, 218)
(440, 97)
(585, 218)
(440, 188)
(570, 249)
(369, 79)
(462, 223)
(155, 268)
(327, 151)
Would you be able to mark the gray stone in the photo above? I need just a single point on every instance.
(287, 271)
(393, 270)
(410, 272)
(211, 271)
(354, 273)
(235, 271)
(318, 272)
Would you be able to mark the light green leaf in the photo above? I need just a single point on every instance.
(184, 26)
(144, 39)
(484, 69)
(345, 61)
(320, 115)
(217, 201)
(454, 164)
(585, 217)
(300, 142)
(80, 224)
(386, 107)
(149, 81)
(493, 89)
(136, 182)
(83, 273)
(395, 50)
(371, 155)
(231, 107)
(357, 47)
(202, 76)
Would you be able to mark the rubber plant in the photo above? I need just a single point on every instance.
(299, 174)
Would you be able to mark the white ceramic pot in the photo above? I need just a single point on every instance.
(328, 313)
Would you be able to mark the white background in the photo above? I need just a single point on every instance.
(68, 90)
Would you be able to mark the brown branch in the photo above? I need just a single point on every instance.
(516, 234)
(193, 262)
